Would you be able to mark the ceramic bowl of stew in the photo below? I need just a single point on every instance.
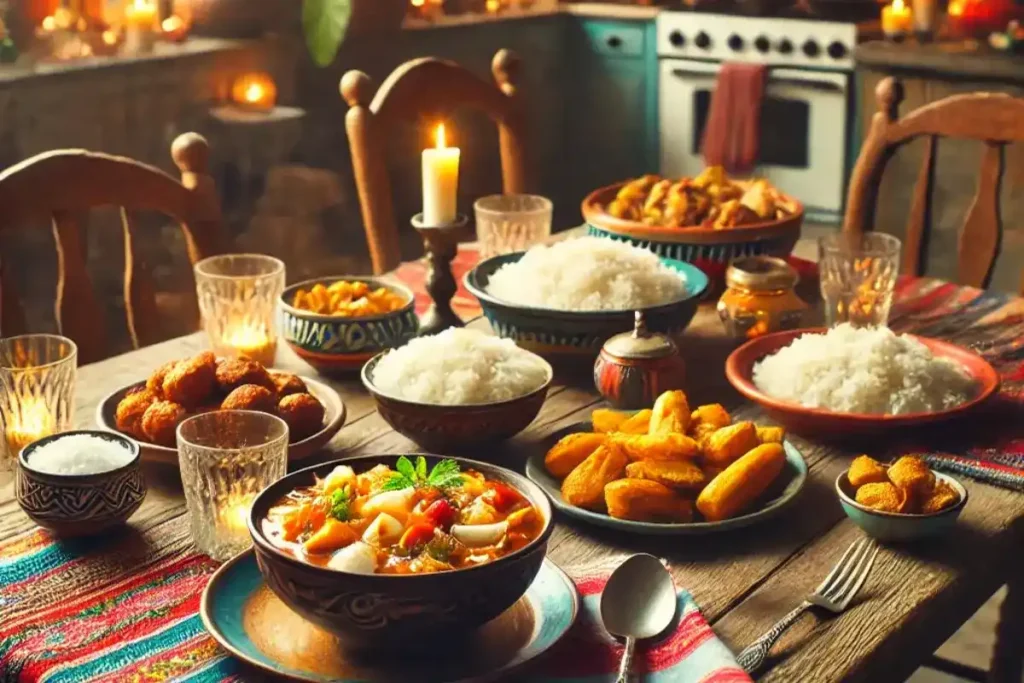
(401, 588)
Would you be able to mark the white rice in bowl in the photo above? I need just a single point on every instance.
(460, 367)
(587, 274)
(863, 370)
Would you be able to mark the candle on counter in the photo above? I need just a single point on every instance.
(440, 182)
(30, 421)
(251, 341)
(896, 19)
(140, 26)
(233, 517)
(924, 17)
(255, 91)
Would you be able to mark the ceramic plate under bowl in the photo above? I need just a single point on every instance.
(739, 369)
(334, 418)
(247, 619)
(781, 493)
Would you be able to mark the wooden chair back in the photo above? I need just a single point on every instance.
(60, 187)
(994, 119)
(422, 87)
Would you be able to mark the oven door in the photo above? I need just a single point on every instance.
(803, 128)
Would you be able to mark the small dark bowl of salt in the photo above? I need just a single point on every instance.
(81, 482)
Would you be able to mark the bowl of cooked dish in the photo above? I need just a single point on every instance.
(150, 411)
(458, 389)
(393, 552)
(670, 469)
(340, 323)
(903, 501)
(572, 296)
(708, 220)
(848, 382)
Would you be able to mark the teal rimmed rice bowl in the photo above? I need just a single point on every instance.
(339, 343)
(550, 331)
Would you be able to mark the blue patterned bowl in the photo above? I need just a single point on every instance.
(552, 331)
(80, 504)
(895, 526)
(398, 611)
(334, 342)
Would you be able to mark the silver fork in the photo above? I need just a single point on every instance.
(834, 594)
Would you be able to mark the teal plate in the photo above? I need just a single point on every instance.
(781, 493)
(250, 622)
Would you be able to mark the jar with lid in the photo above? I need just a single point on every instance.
(634, 368)
(760, 297)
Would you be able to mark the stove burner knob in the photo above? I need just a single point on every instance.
(836, 50)
(785, 46)
(735, 43)
(703, 40)
(811, 49)
(762, 44)
(677, 38)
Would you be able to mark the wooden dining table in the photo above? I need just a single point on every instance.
(743, 580)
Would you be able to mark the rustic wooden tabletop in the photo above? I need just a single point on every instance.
(744, 581)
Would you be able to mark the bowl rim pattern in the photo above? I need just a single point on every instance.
(365, 375)
(693, 292)
(288, 293)
(533, 493)
(842, 482)
(94, 477)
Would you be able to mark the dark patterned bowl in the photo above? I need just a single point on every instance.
(334, 342)
(397, 612)
(442, 427)
(80, 504)
(550, 331)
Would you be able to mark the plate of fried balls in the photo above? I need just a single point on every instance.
(150, 411)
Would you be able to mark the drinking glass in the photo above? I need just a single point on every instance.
(227, 457)
(238, 296)
(511, 222)
(858, 277)
(37, 390)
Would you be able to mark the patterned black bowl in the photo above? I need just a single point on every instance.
(80, 504)
(390, 611)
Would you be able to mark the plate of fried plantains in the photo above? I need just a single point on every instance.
(669, 469)
(149, 411)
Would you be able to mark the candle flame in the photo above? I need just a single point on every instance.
(418, 3)
(898, 5)
(30, 420)
(439, 136)
(254, 92)
(50, 23)
(956, 9)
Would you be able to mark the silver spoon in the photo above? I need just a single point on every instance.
(639, 601)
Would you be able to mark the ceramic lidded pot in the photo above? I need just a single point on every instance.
(760, 297)
(634, 368)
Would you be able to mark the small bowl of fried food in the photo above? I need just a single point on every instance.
(707, 220)
(339, 323)
(149, 412)
(670, 469)
(903, 501)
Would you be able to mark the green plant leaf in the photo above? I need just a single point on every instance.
(421, 468)
(396, 483)
(324, 23)
(406, 468)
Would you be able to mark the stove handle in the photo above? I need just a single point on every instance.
(827, 86)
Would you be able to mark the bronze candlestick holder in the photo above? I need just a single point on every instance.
(441, 243)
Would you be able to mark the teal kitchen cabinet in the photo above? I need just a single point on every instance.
(611, 110)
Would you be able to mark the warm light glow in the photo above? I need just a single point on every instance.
(235, 515)
(898, 5)
(250, 340)
(493, 5)
(956, 9)
(31, 422)
(439, 137)
(110, 37)
(172, 24)
(254, 93)
(49, 24)
(418, 3)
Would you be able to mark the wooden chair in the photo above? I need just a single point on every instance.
(424, 87)
(59, 187)
(990, 118)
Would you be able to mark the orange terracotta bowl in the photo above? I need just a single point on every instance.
(821, 423)
(709, 249)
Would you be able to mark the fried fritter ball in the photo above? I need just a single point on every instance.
(303, 413)
(913, 475)
(155, 383)
(160, 421)
(190, 382)
(885, 497)
(250, 397)
(287, 384)
(942, 497)
(866, 470)
(234, 373)
(130, 410)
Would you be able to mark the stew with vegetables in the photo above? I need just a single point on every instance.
(405, 520)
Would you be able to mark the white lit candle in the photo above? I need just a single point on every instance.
(140, 21)
(31, 422)
(252, 341)
(440, 182)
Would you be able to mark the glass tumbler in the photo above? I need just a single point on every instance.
(238, 296)
(227, 457)
(858, 277)
(511, 222)
(37, 390)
